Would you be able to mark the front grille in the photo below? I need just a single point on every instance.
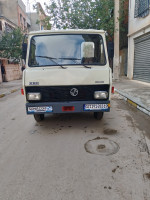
(62, 93)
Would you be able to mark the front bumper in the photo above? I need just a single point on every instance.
(58, 107)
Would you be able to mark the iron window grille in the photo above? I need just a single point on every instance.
(141, 8)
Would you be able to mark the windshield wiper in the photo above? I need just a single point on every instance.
(51, 58)
(70, 58)
(75, 59)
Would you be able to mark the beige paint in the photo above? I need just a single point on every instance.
(137, 28)
(72, 75)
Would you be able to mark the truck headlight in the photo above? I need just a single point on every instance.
(36, 96)
(100, 95)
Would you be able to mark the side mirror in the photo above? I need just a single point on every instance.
(24, 51)
(24, 47)
(87, 49)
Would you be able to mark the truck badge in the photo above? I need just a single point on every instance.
(33, 83)
(74, 92)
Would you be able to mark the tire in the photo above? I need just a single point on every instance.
(98, 115)
(38, 117)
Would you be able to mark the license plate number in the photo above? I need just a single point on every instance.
(41, 109)
(95, 106)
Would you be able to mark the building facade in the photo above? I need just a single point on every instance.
(37, 19)
(13, 71)
(6, 25)
(13, 14)
(14, 10)
(139, 40)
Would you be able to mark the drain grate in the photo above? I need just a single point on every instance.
(101, 146)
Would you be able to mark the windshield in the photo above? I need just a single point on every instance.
(69, 49)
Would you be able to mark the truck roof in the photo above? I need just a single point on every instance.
(67, 31)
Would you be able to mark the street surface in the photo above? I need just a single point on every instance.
(74, 156)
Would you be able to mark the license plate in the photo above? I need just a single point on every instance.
(42, 109)
(95, 106)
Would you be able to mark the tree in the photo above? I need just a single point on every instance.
(87, 14)
(45, 22)
(44, 19)
(124, 4)
(91, 14)
(11, 44)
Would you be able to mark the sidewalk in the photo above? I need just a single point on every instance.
(10, 87)
(134, 92)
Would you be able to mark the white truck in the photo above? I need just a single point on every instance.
(67, 71)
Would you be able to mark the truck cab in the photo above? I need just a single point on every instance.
(67, 71)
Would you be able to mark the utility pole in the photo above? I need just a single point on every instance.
(116, 64)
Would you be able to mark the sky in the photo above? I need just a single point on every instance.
(32, 2)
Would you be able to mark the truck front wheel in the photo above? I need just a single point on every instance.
(39, 117)
(98, 115)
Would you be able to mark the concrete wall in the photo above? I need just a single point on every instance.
(13, 71)
(137, 27)
(22, 5)
(9, 10)
(138, 23)
(37, 16)
(21, 10)
(5, 21)
(33, 19)
(123, 61)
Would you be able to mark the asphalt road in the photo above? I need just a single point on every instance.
(73, 156)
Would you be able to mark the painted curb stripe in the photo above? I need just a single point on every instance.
(134, 103)
(2, 95)
(12, 91)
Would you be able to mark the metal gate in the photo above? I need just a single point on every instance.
(142, 58)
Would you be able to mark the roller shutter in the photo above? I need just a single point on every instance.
(141, 70)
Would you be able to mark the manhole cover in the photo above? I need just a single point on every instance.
(101, 146)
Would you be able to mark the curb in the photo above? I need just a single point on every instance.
(134, 102)
(9, 92)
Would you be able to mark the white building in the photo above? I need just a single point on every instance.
(139, 40)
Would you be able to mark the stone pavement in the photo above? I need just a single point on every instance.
(134, 92)
(10, 87)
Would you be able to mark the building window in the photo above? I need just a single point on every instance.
(141, 8)
(42, 27)
(20, 18)
(24, 23)
(0, 26)
(8, 28)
